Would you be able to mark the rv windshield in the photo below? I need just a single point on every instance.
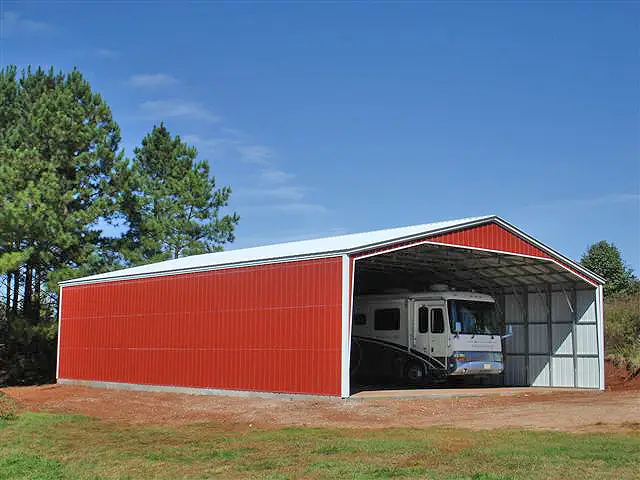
(475, 317)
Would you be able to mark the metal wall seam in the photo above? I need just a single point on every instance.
(574, 339)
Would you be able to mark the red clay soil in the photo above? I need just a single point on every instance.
(618, 379)
(574, 411)
(617, 409)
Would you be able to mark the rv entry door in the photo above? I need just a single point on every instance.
(438, 334)
(421, 328)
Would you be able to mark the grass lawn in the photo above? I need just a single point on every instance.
(51, 446)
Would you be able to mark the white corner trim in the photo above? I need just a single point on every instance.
(345, 389)
(59, 323)
(600, 333)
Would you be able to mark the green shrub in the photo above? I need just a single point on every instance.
(622, 331)
(27, 351)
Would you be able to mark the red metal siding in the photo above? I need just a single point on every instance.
(265, 328)
(488, 236)
(494, 237)
(491, 237)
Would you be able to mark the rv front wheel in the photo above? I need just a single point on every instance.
(414, 372)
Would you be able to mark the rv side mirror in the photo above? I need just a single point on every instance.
(458, 327)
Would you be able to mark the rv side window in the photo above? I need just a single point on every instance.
(387, 319)
(360, 319)
(437, 321)
(423, 319)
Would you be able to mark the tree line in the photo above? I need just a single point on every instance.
(64, 183)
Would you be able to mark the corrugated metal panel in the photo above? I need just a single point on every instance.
(560, 307)
(586, 306)
(537, 307)
(517, 342)
(538, 371)
(538, 338)
(267, 328)
(513, 309)
(515, 372)
(562, 338)
(562, 368)
(588, 373)
(490, 236)
(587, 339)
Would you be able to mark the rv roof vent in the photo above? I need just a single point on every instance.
(439, 287)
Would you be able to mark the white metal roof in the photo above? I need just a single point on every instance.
(305, 248)
(320, 247)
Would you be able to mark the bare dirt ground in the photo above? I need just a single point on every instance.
(615, 410)
(618, 379)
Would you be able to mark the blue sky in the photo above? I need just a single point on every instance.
(334, 118)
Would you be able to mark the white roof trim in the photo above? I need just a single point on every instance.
(306, 249)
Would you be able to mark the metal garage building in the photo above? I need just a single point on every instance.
(278, 318)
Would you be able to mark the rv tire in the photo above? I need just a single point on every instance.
(414, 372)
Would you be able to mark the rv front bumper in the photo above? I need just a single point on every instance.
(477, 368)
(475, 363)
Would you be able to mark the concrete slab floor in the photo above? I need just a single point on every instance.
(441, 392)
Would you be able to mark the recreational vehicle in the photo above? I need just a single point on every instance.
(429, 336)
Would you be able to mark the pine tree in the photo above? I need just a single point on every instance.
(171, 203)
(59, 171)
(58, 147)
